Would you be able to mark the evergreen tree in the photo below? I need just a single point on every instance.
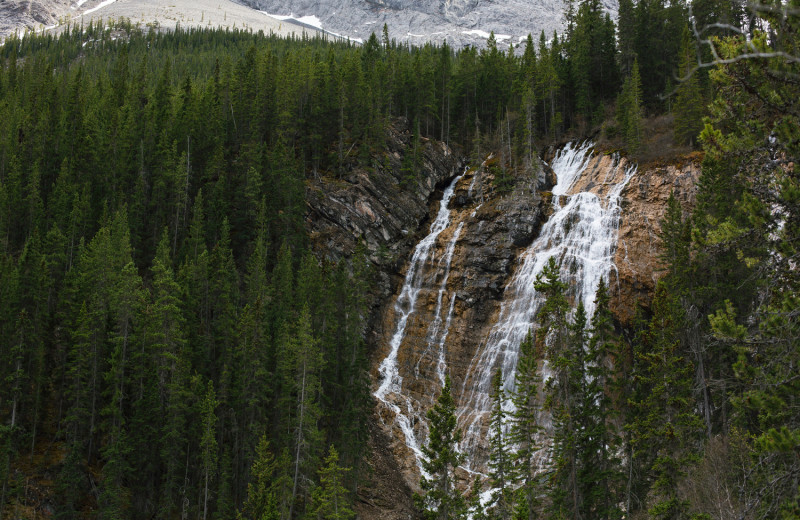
(208, 443)
(330, 498)
(525, 428)
(441, 499)
(667, 429)
(302, 365)
(501, 478)
(262, 502)
(689, 102)
(629, 110)
(625, 36)
(167, 346)
(600, 474)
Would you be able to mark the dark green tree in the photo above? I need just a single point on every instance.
(441, 499)
(501, 477)
(525, 429)
(689, 103)
(330, 499)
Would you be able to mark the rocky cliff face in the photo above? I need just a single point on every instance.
(447, 269)
(644, 202)
(378, 205)
(644, 205)
(21, 15)
(459, 291)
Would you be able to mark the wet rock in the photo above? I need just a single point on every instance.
(460, 303)
(644, 203)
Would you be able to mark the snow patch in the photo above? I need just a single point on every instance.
(477, 32)
(99, 6)
(485, 35)
(311, 19)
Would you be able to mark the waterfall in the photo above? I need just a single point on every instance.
(581, 234)
(391, 387)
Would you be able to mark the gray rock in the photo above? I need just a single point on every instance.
(459, 22)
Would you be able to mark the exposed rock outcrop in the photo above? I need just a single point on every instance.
(644, 203)
(458, 300)
(459, 22)
(643, 207)
(466, 273)
(386, 210)
(380, 206)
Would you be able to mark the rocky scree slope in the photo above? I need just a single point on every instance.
(459, 22)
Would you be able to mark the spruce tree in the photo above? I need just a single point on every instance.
(208, 443)
(666, 430)
(302, 364)
(601, 471)
(330, 498)
(629, 110)
(563, 342)
(262, 502)
(501, 477)
(167, 346)
(689, 102)
(525, 428)
(441, 499)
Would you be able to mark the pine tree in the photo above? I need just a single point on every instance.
(629, 110)
(501, 478)
(563, 342)
(167, 346)
(208, 442)
(689, 102)
(601, 475)
(262, 502)
(302, 365)
(525, 429)
(666, 430)
(330, 499)
(441, 499)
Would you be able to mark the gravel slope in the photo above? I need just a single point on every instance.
(459, 22)
(20, 15)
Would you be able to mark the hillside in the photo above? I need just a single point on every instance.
(246, 276)
(55, 15)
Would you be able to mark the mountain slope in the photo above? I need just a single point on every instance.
(21, 15)
(460, 22)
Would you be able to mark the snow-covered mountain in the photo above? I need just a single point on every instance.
(460, 22)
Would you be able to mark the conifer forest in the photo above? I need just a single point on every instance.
(171, 345)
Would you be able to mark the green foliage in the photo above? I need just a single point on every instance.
(330, 499)
(689, 103)
(525, 429)
(501, 474)
(145, 195)
(441, 499)
(629, 110)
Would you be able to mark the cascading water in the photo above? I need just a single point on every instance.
(582, 236)
(391, 387)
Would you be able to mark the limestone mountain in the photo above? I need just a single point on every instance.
(459, 22)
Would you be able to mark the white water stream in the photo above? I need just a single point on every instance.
(391, 388)
(582, 236)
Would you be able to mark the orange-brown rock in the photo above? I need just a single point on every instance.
(493, 229)
(644, 203)
(456, 307)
